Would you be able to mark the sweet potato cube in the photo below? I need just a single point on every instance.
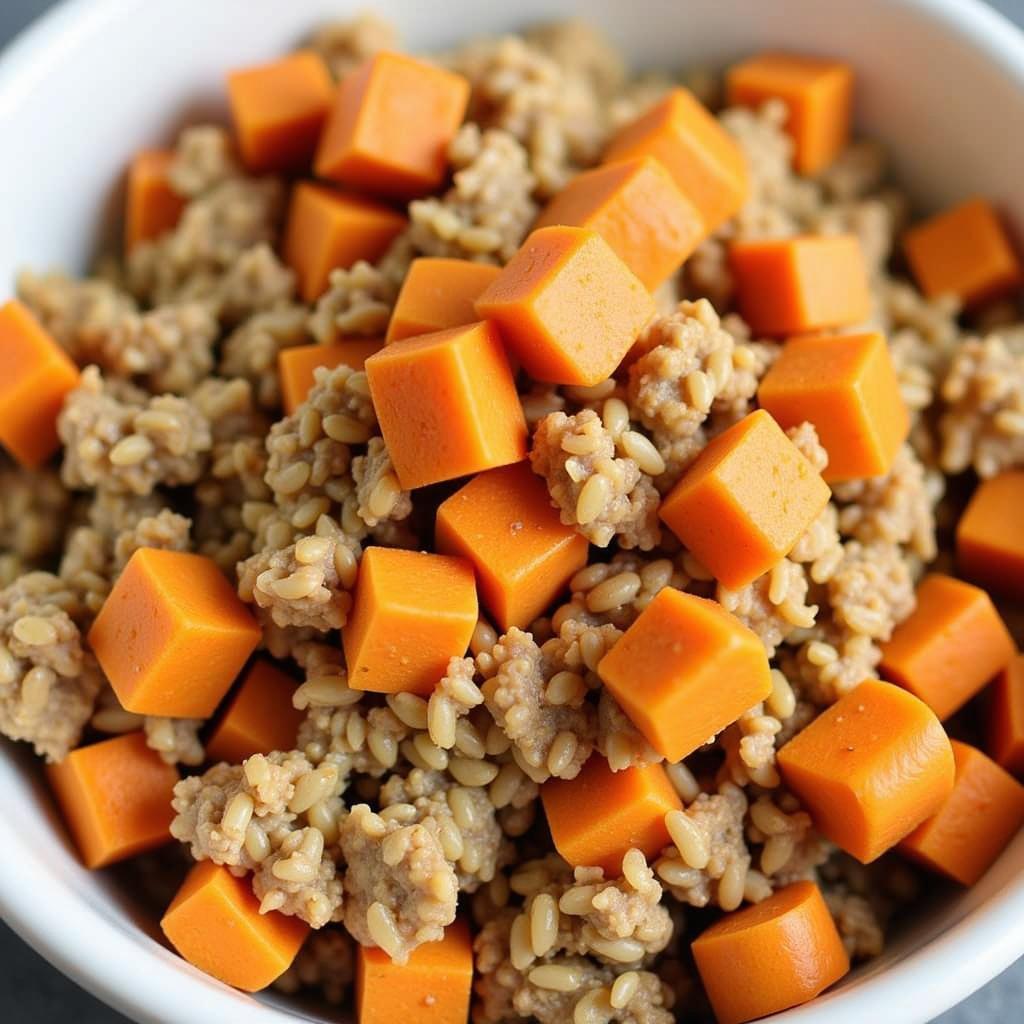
(1006, 718)
(964, 252)
(172, 635)
(569, 309)
(951, 645)
(434, 984)
(745, 501)
(437, 294)
(215, 923)
(296, 365)
(637, 208)
(846, 386)
(259, 718)
(35, 375)
(447, 404)
(115, 797)
(795, 285)
(978, 819)
(708, 166)
(411, 614)
(278, 110)
(597, 817)
(818, 94)
(390, 124)
(870, 768)
(152, 207)
(328, 229)
(503, 522)
(990, 535)
(685, 670)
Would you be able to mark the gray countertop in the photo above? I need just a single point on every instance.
(33, 992)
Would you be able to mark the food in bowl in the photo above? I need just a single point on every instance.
(506, 351)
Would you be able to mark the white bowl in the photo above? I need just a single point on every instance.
(940, 81)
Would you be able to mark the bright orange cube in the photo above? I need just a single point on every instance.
(172, 635)
(437, 294)
(1006, 717)
(278, 110)
(115, 797)
(389, 128)
(328, 229)
(990, 537)
(964, 252)
(569, 309)
(433, 985)
(707, 164)
(295, 365)
(597, 817)
(685, 670)
(952, 644)
(847, 387)
(818, 94)
(259, 718)
(797, 285)
(152, 207)
(745, 501)
(35, 375)
(447, 404)
(637, 208)
(412, 613)
(503, 522)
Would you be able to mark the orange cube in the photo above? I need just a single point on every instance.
(1006, 718)
(637, 208)
(870, 768)
(172, 635)
(215, 923)
(259, 718)
(278, 111)
(152, 207)
(434, 984)
(295, 365)
(795, 285)
(390, 125)
(818, 95)
(745, 501)
(412, 613)
(328, 229)
(952, 644)
(972, 828)
(437, 294)
(503, 522)
(597, 817)
(989, 537)
(569, 309)
(447, 404)
(964, 252)
(685, 670)
(115, 797)
(35, 375)
(708, 166)
(847, 387)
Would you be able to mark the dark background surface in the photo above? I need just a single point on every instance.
(33, 992)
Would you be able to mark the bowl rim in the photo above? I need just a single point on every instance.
(991, 933)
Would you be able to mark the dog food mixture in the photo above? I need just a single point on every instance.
(523, 530)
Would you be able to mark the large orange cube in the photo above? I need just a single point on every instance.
(172, 635)
(847, 387)
(412, 613)
(746, 501)
(708, 166)
(447, 404)
(295, 365)
(990, 535)
(503, 522)
(1006, 718)
(569, 309)
(152, 207)
(685, 670)
(390, 126)
(115, 797)
(35, 375)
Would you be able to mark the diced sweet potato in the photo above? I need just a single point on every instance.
(1006, 718)
(990, 535)
(295, 365)
(152, 207)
